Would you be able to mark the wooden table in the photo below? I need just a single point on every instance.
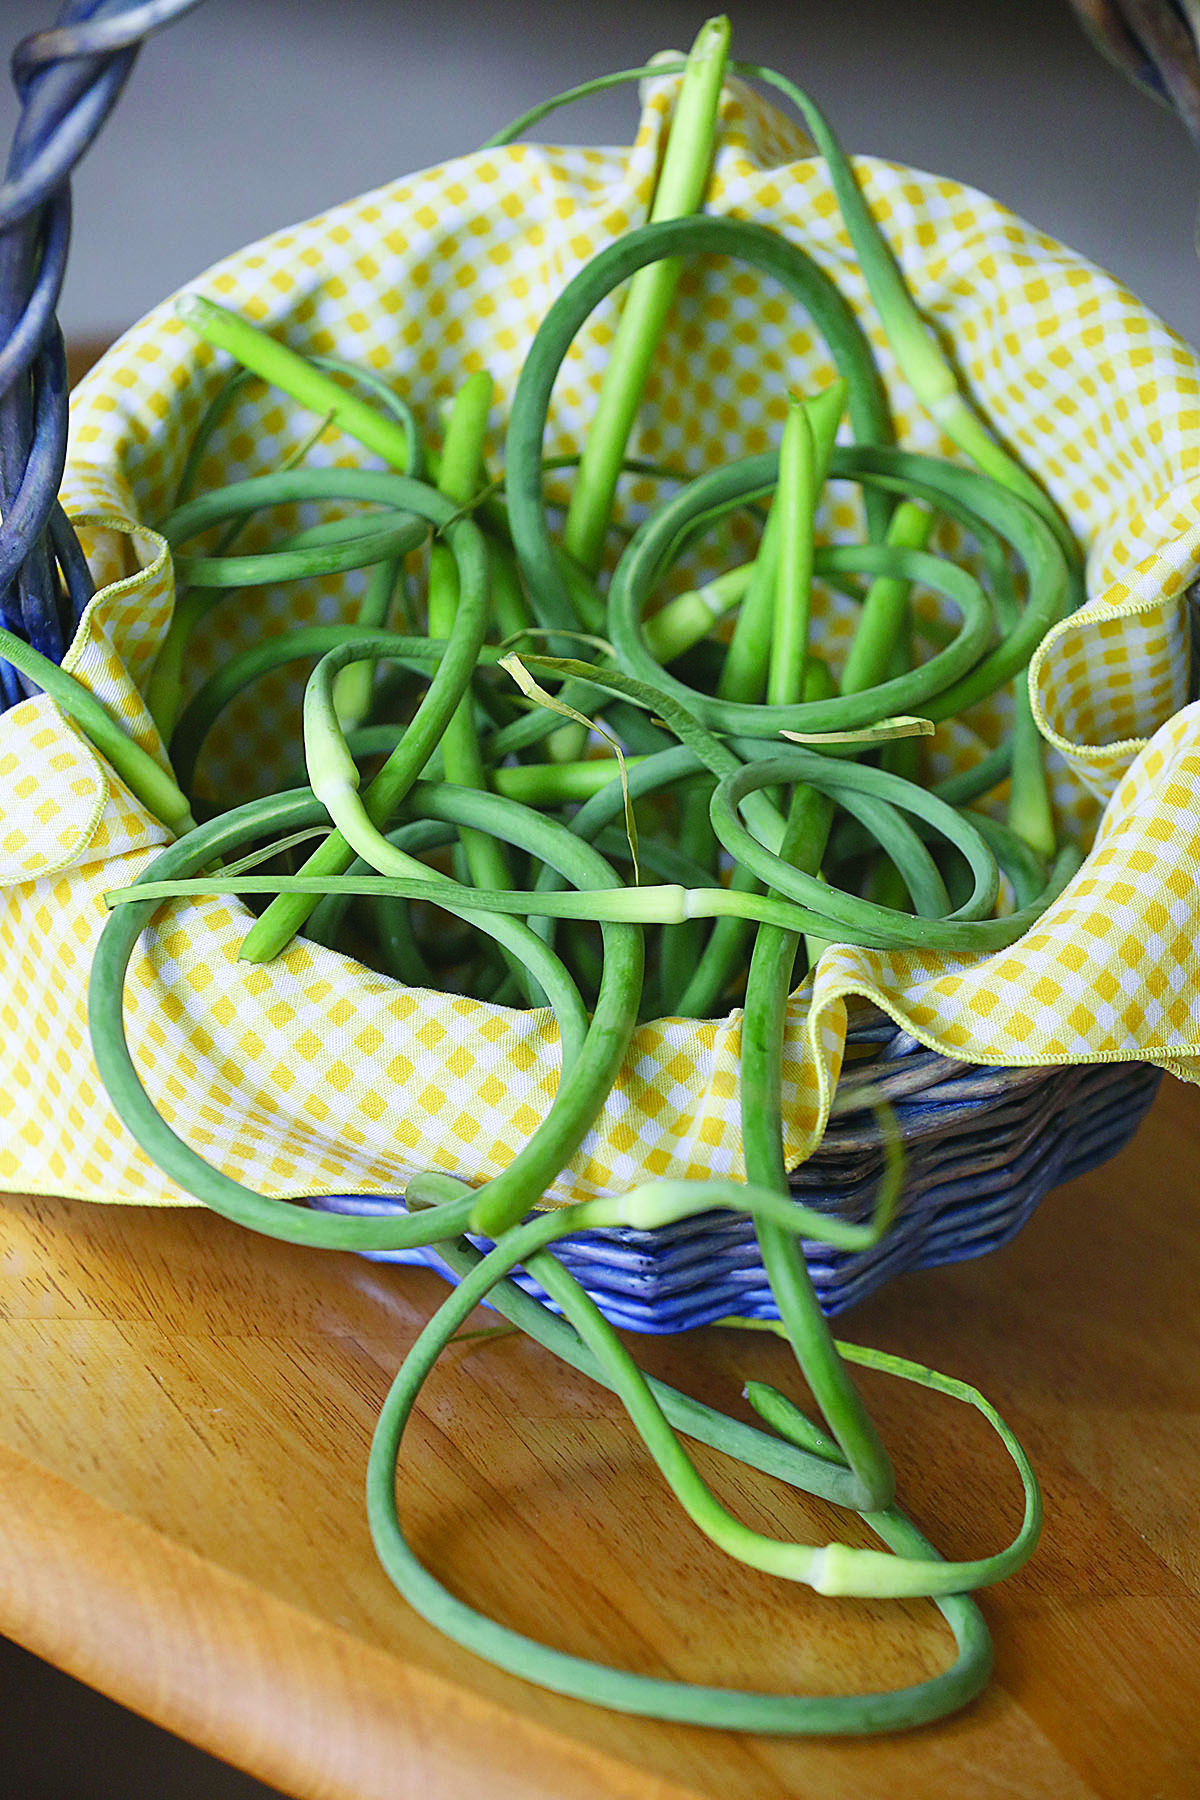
(184, 1432)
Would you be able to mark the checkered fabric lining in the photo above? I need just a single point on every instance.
(316, 1075)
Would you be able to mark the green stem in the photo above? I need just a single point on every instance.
(697, 235)
(763, 1047)
(559, 784)
(833, 1568)
(598, 1683)
(744, 675)
(585, 1087)
(357, 682)
(462, 463)
(1030, 809)
(827, 914)
(286, 914)
(510, 609)
(296, 375)
(687, 619)
(917, 350)
(881, 623)
(164, 690)
(142, 775)
(544, 785)
(796, 502)
(181, 1164)
(682, 947)
(680, 190)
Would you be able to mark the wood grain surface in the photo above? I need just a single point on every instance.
(184, 1425)
(185, 1414)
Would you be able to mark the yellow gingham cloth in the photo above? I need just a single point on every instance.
(316, 1075)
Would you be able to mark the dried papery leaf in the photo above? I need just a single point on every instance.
(297, 456)
(513, 665)
(884, 731)
(266, 851)
(556, 631)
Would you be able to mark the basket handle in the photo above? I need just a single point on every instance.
(68, 79)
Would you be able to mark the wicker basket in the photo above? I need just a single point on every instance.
(982, 1148)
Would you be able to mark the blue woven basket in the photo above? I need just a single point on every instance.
(982, 1146)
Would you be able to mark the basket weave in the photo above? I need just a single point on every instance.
(982, 1148)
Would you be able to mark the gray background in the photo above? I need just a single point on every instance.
(251, 114)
